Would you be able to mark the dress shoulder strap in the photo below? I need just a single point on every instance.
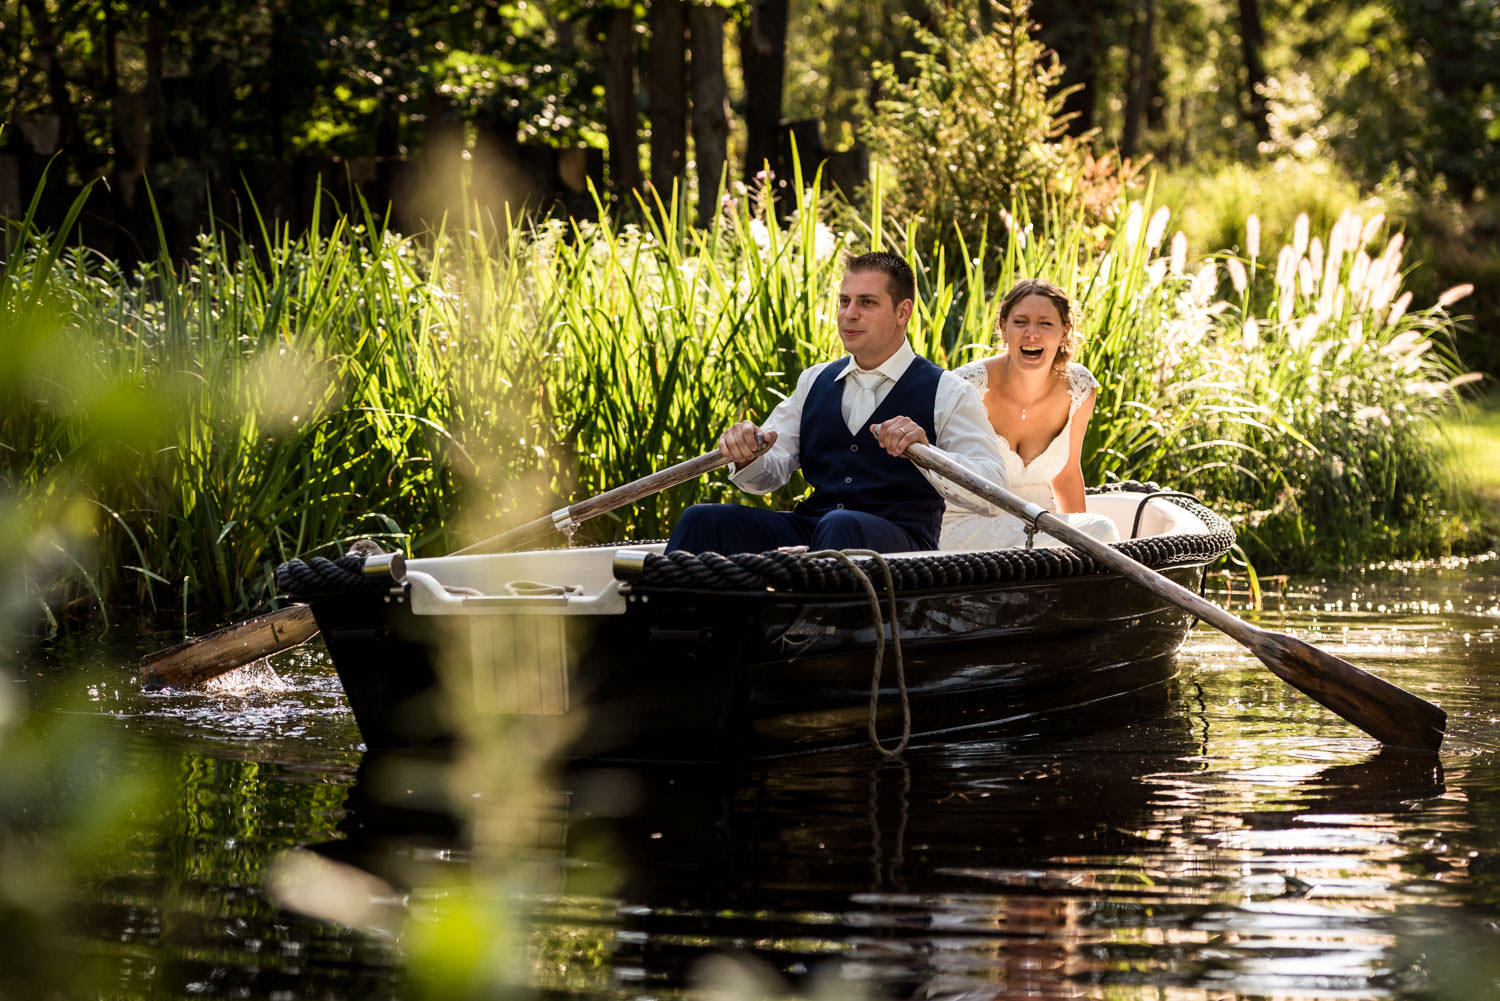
(1081, 383)
(975, 373)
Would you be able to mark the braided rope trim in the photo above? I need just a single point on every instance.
(791, 572)
(317, 575)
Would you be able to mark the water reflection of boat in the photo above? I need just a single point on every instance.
(711, 659)
(1028, 862)
(834, 856)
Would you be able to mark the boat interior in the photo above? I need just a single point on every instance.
(586, 580)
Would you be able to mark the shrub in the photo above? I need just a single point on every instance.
(977, 128)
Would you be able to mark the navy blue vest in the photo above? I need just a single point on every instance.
(853, 471)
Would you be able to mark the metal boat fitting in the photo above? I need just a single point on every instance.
(382, 565)
(629, 563)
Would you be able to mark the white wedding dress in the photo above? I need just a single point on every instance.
(1031, 481)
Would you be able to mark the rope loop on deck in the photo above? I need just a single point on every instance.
(845, 557)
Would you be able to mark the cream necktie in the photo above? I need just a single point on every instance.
(860, 404)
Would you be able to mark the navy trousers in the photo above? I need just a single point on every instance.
(732, 528)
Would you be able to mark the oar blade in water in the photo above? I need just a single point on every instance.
(1390, 714)
(195, 661)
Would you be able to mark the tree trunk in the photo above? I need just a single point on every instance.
(50, 56)
(621, 122)
(1072, 29)
(1142, 59)
(667, 93)
(129, 138)
(710, 121)
(281, 41)
(111, 88)
(1253, 41)
(156, 100)
(763, 56)
(387, 111)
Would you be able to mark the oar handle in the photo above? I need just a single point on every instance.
(662, 479)
(592, 507)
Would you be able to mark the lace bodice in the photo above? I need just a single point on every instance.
(1032, 481)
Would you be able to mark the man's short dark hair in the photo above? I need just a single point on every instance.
(900, 281)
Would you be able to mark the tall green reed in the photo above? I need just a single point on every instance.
(425, 390)
(348, 381)
(1308, 410)
(593, 353)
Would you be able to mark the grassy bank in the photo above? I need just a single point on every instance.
(1475, 436)
(306, 389)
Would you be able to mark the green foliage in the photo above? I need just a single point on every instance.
(1459, 244)
(1447, 243)
(977, 126)
(1310, 414)
(1474, 434)
(1429, 65)
(428, 392)
(364, 384)
(67, 819)
(327, 76)
(1210, 203)
(62, 415)
(1337, 455)
(831, 47)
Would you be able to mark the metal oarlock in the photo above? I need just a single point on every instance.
(383, 565)
(1029, 517)
(562, 520)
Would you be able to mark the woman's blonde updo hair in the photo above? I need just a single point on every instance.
(1040, 286)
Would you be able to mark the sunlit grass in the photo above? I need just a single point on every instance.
(1474, 434)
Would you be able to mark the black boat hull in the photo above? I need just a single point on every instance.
(689, 675)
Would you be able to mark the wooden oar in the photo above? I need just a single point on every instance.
(565, 518)
(195, 661)
(1390, 714)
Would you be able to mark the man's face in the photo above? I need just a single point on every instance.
(871, 326)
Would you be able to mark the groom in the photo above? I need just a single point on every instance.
(846, 426)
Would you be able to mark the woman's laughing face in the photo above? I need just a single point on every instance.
(1032, 331)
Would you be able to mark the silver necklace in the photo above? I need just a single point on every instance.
(1027, 406)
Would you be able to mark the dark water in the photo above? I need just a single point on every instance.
(1228, 838)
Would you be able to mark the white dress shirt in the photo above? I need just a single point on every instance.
(963, 429)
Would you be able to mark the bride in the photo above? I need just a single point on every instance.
(1039, 403)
